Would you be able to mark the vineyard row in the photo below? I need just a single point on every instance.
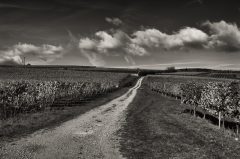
(218, 97)
(36, 95)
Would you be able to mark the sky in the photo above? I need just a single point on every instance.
(121, 33)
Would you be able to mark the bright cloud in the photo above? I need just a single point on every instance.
(115, 42)
(104, 41)
(87, 43)
(139, 43)
(136, 50)
(155, 38)
(108, 41)
(15, 53)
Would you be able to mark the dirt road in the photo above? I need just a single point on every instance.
(91, 135)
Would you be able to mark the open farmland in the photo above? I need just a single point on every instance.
(22, 73)
(120, 79)
(159, 109)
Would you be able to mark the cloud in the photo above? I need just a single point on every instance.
(140, 43)
(93, 58)
(50, 49)
(221, 36)
(129, 60)
(88, 48)
(108, 41)
(112, 43)
(87, 43)
(104, 41)
(224, 36)
(44, 52)
(136, 50)
(10, 60)
(85, 47)
(114, 21)
(155, 38)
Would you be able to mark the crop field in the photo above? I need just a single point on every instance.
(55, 74)
(219, 97)
(222, 75)
(186, 73)
(26, 89)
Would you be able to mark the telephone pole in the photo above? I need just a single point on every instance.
(24, 61)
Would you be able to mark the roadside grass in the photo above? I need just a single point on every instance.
(157, 127)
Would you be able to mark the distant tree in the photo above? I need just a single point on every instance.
(171, 69)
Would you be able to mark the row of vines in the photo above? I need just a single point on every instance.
(21, 96)
(215, 96)
(221, 75)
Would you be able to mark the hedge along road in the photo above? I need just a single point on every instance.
(91, 135)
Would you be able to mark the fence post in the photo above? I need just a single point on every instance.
(219, 119)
